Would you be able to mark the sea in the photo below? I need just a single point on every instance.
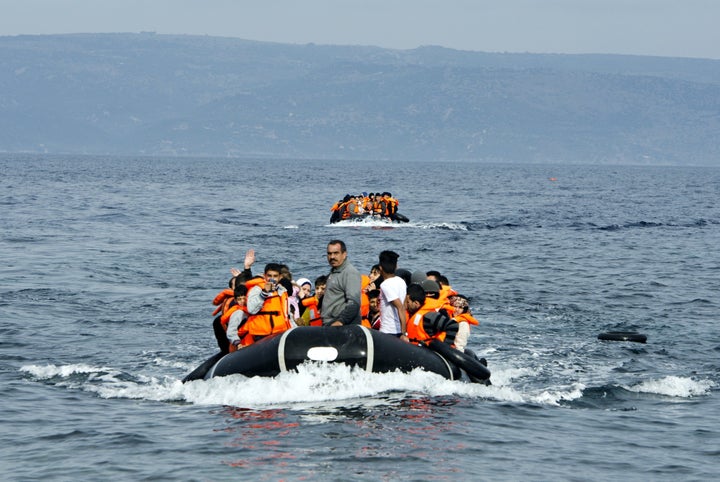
(108, 268)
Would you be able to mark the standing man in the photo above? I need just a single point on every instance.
(341, 301)
(393, 319)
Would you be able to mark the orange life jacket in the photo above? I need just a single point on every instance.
(364, 299)
(377, 207)
(272, 318)
(437, 304)
(391, 205)
(466, 317)
(350, 209)
(415, 328)
(446, 292)
(311, 303)
(225, 318)
(222, 300)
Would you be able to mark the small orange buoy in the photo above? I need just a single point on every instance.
(553, 178)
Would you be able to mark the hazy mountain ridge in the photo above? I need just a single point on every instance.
(146, 94)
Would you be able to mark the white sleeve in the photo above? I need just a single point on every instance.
(236, 320)
(462, 335)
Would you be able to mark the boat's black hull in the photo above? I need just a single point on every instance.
(395, 218)
(353, 345)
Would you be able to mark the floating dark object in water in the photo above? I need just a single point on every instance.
(623, 336)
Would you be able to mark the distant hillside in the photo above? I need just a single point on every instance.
(146, 94)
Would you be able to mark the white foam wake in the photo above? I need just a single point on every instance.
(376, 223)
(673, 386)
(314, 384)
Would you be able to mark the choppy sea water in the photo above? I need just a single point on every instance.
(109, 266)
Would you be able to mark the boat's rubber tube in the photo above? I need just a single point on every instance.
(397, 218)
(623, 336)
(352, 345)
(200, 371)
(476, 371)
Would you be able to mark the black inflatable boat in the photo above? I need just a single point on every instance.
(356, 218)
(352, 345)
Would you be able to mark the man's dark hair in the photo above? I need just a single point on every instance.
(416, 293)
(240, 290)
(321, 280)
(273, 267)
(343, 248)
(388, 261)
(373, 294)
(434, 274)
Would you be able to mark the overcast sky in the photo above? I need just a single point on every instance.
(676, 28)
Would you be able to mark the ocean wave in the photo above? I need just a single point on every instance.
(46, 372)
(317, 384)
(378, 224)
(673, 386)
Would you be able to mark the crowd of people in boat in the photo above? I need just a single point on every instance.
(354, 206)
(416, 307)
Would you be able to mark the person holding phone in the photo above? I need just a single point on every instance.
(267, 307)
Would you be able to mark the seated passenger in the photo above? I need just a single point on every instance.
(313, 304)
(373, 317)
(236, 318)
(267, 306)
(424, 322)
(464, 318)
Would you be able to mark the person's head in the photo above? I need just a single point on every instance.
(461, 304)
(305, 288)
(418, 277)
(320, 285)
(388, 262)
(336, 253)
(286, 283)
(285, 272)
(443, 281)
(432, 288)
(415, 298)
(374, 299)
(240, 294)
(434, 275)
(272, 273)
(374, 272)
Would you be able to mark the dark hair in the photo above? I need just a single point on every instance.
(434, 274)
(443, 281)
(321, 280)
(240, 290)
(273, 267)
(343, 248)
(416, 293)
(388, 261)
(373, 294)
(287, 284)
